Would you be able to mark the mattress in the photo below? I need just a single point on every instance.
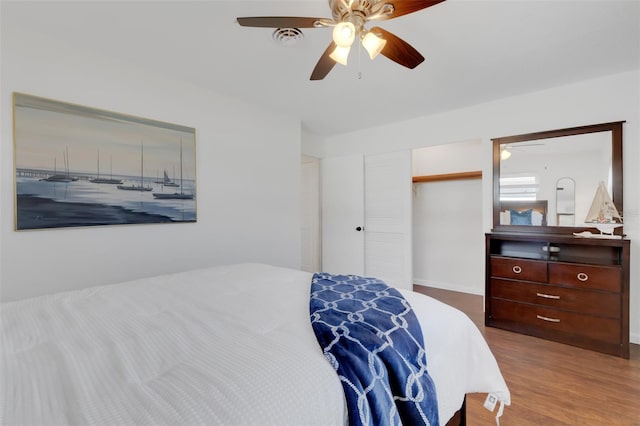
(228, 345)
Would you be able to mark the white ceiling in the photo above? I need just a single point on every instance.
(475, 50)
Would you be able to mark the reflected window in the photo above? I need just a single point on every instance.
(519, 188)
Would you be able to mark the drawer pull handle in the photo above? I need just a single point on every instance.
(516, 269)
(540, 317)
(548, 296)
(582, 276)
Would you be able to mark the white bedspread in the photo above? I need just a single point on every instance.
(228, 345)
(458, 358)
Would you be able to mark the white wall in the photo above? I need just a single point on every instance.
(311, 144)
(607, 99)
(448, 242)
(248, 175)
(448, 158)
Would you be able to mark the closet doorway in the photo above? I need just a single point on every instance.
(448, 236)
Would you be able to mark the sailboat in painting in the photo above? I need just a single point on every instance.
(109, 180)
(168, 182)
(66, 177)
(175, 196)
(603, 214)
(140, 187)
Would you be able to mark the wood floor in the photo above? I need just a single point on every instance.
(551, 383)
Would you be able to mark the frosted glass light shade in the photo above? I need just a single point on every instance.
(340, 54)
(344, 33)
(373, 44)
(504, 154)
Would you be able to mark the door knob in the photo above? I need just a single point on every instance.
(359, 228)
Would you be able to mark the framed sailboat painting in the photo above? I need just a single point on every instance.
(79, 166)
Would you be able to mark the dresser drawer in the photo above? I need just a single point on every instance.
(519, 269)
(586, 276)
(569, 299)
(548, 319)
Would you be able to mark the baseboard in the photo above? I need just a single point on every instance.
(634, 338)
(449, 286)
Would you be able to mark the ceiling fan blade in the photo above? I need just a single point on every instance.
(403, 7)
(325, 64)
(279, 22)
(398, 50)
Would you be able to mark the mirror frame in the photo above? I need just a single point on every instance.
(616, 171)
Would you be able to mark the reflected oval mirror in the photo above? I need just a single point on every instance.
(565, 202)
(529, 168)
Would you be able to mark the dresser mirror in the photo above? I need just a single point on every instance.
(545, 182)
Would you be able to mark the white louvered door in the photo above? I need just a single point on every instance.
(388, 218)
(373, 192)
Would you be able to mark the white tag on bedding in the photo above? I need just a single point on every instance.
(490, 402)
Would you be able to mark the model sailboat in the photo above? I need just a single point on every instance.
(176, 195)
(603, 213)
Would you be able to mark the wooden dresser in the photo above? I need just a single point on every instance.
(573, 290)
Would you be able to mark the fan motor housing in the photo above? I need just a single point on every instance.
(340, 9)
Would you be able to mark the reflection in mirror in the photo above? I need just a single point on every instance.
(529, 169)
(565, 202)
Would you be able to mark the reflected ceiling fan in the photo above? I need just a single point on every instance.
(505, 150)
(348, 22)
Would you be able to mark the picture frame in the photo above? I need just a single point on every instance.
(78, 166)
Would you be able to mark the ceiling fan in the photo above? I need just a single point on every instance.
(348, 22)
(505, 150)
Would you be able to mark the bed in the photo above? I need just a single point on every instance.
(229, 345)
(527, 213)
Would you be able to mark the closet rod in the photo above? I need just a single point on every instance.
(476, 174)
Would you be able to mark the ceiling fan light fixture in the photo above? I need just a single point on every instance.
(343, 34)
(373, 44)
(505, 154)
(340, 54)
(348, 20)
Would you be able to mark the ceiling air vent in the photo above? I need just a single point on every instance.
(287, 36)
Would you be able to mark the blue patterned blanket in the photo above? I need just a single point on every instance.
(372, 338)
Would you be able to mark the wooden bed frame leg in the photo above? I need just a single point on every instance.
(460, 417)
(463, 412)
